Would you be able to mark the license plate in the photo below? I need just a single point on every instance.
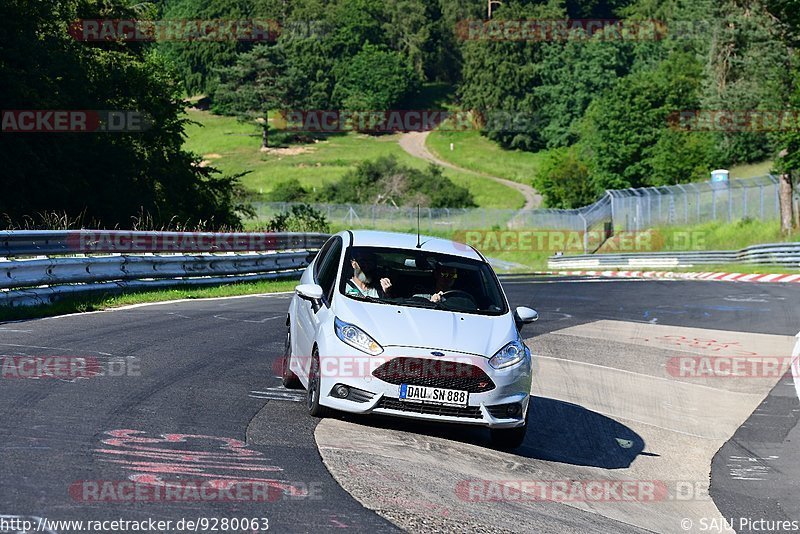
(453, 397)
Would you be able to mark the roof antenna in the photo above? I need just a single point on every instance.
(419, 245)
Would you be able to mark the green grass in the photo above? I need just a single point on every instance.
(717, 235)
(233, 147)
(477, 153)
(750, 170)
(102, 302)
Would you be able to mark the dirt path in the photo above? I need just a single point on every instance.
(414, 144)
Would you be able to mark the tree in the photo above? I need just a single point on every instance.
(408, 30)
(747, 70)
(354, 24)
(788, 141)
(573, 75)
(109, 177)
(564, 181)
(625, 134)
(197, 61)
(375, 79)
(253, 86)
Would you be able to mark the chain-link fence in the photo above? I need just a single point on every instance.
(683, 204)
(620, 210)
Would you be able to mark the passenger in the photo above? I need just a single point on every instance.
(363, 281)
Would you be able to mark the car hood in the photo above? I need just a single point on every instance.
(430, 329)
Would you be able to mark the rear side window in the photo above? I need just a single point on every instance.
(327, 267)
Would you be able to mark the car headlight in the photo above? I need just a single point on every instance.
(355, 337)
(513, 353)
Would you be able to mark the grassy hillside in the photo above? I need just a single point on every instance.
(475, 152)
(718, 235)
(233, 147)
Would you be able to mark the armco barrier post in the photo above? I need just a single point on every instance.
(585, 234)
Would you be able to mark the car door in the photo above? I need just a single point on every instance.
(309, 321)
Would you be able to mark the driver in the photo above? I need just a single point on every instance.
(444, 276)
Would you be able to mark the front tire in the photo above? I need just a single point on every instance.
(315, 409)
(289, 379)
(508, 438)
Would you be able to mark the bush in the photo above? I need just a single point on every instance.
(375, 79)
(564, 180)
(288, 191)
(385, 181)
(302, 218)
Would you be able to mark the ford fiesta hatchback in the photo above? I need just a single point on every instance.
(397, 325)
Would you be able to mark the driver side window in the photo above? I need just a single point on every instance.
(328, 266)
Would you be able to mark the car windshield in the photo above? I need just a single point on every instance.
(420, 279)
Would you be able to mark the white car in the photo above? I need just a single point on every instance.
(398, 325)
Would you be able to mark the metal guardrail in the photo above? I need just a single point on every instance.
(111, 260)
(61, 242)
(785, 254)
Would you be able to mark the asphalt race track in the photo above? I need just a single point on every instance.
(197, 399)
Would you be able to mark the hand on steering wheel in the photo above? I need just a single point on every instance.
(458, 292)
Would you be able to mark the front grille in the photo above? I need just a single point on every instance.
(435, 373)
(471, 412)
(359, 395)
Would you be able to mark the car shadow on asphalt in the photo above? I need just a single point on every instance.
(558, 431)
(564, 432)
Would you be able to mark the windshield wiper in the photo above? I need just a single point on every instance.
(365, 298)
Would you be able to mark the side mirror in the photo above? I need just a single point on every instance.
(312, 293)
(523, 316)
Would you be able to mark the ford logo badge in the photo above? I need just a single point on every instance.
(437, 353)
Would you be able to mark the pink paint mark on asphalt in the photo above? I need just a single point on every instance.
(213, 457)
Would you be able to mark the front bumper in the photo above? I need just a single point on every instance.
(372, 395)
